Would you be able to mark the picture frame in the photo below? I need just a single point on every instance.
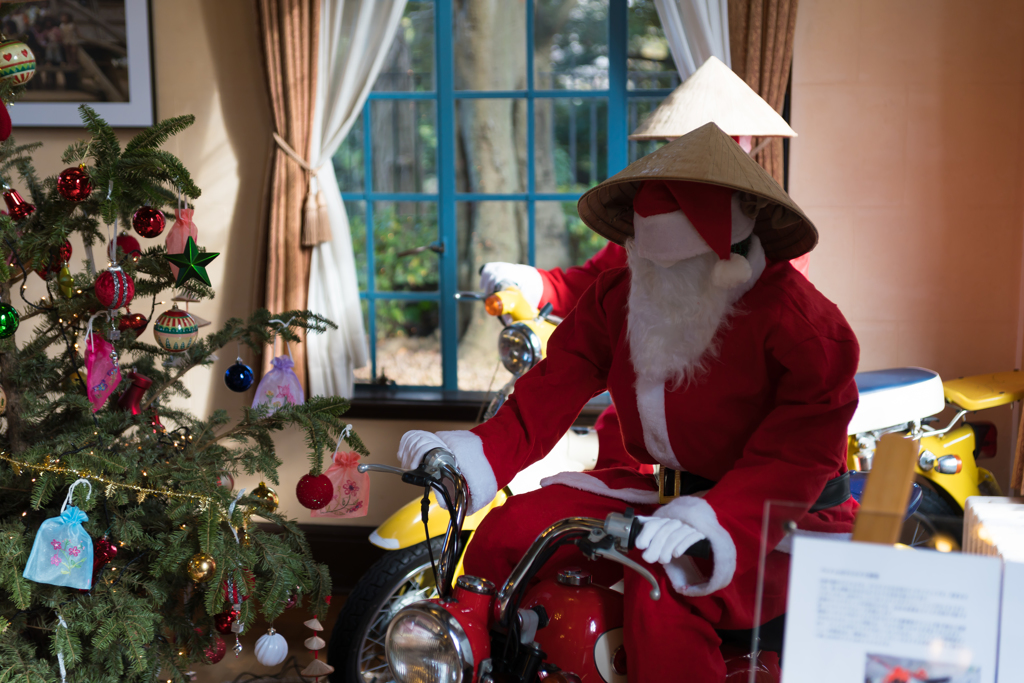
(85, 50)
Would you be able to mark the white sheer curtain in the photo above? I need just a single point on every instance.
(354, 39)
(696, 30)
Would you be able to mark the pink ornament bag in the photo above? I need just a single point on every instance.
(179, 233)
(351, 487)
(102, 373)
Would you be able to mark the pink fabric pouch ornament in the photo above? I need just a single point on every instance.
(179, 233)
(351, 487)
(102, 373)
(279, 387)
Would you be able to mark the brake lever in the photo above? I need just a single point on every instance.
(380, 468)
(615, 556)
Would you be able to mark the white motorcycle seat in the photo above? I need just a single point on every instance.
(892, 397)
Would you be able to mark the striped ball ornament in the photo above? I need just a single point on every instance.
(17, 63)
(115, 288)
(175, 330)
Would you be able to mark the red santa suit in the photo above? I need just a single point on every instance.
(765, 422)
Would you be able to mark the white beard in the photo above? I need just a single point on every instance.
(673, 317)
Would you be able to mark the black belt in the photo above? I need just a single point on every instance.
(675, 483)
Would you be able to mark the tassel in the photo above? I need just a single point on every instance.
(731, 272)
(316, 225)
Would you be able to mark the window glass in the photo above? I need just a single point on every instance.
(570, 49)
(489, 40)
(649, 61)
(403, 233)
(640, 108)
(404, 134)
(490, 145)
(410, 62)
(570, 143)
(408, 342)
(576, 243)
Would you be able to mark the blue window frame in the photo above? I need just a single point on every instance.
(429, 214)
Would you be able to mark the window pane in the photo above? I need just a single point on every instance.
(490, 44)
(570, 44)
(486, 231)
(399, 229)
(649, 61)
(408, 342)
(348, 160)
(490, 145)
(566, 240)
(410, 60)
(640, 108)
(404, 134)
(356, 211)
(364, 375)
(570, 143)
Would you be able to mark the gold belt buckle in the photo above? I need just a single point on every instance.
(669, 484)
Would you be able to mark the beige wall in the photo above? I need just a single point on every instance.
(908, 160)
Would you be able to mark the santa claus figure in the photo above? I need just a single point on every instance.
(728, 369)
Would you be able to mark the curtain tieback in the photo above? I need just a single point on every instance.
(316, 225)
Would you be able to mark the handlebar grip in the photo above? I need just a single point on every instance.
(701, 549)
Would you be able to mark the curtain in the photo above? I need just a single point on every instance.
(761, 41)
(696, 30)
(354, 40)
(289, 32)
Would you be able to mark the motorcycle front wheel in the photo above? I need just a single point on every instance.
(398, 579)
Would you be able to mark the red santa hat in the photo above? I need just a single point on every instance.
(688, 219)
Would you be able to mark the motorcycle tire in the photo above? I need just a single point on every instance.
(947, 518)
(356, 650)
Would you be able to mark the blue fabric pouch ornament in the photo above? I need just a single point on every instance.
(62, 552)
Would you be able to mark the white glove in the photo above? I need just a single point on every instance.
(664, 539)
(415, 444)
(527, 278)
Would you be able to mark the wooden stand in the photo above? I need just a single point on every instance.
(887, 491)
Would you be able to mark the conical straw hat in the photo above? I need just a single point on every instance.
(706, 155)
(714, 93)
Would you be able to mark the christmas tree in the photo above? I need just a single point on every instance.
(174, 552)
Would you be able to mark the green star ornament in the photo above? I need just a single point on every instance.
(191, 264)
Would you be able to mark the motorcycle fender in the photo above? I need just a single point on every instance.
(405, 527)
(959, 442)
(987, 479)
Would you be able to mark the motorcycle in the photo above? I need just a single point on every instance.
(404, 575)
(906, 400)
(565, 630)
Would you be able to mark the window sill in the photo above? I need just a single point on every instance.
(390, 403)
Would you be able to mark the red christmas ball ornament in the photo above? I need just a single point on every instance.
(148, 222)
(226, 480)
(223, 621)
(5, 122)
(128, 244)
(58, 257)
(17, 207)
(218, 648)
(293, 600)
(114, 288)
(233, 592)
(314, 492)
(133, 321)
(74, 184)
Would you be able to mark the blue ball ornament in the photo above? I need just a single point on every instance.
(239, 376)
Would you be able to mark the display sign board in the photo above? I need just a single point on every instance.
(866, 613)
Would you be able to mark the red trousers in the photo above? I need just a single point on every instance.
(673, 639)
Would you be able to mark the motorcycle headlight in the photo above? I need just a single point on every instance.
(425, 644)
(518, 348)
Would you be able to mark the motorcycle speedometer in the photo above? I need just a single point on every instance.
(518, 348)
(425, 644)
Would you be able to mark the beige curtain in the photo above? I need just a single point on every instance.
(761, 43)
(290, 30)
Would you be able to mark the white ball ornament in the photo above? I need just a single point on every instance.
(271, 649)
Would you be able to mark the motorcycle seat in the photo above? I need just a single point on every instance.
(895, 396)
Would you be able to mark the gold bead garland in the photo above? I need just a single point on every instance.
(141, 491)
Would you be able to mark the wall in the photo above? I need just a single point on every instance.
(908, 161)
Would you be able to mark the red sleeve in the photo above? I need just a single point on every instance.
(563, 288)
(549, 398)
(797, 448)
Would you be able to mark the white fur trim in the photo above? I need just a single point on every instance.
(758, 262)
(701, 516)
(469, 453)
(650, 402)
(585, 482)
(786, 544)
(731, 272)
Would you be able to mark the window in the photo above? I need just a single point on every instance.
(486, 125)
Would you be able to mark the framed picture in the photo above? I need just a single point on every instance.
(94, 52)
